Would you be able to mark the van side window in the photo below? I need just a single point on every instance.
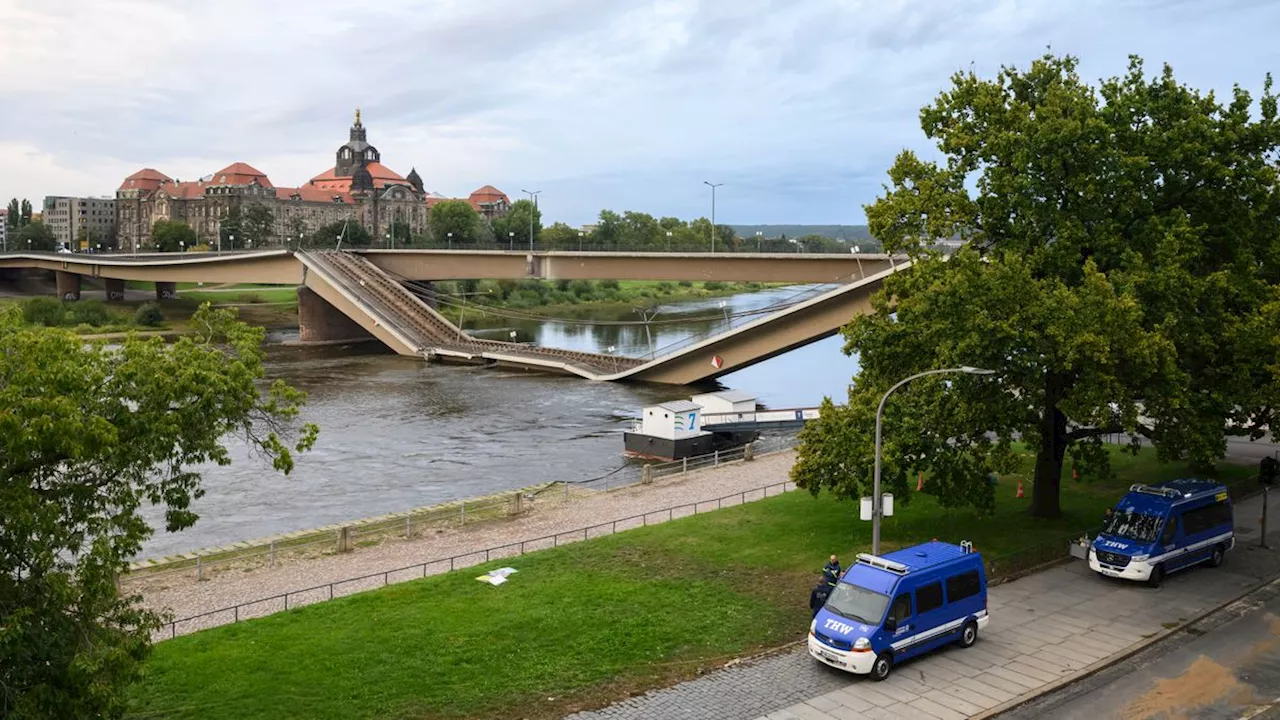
(1170, 527)
(928, 597)
(1205, 518)
(901, 608)
(963, 586)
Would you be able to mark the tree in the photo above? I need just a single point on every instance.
(1119, 273)
(36, 236)
(25, 219)
(560, 236)
(517, 221)
(608, 230)
(91, 433)
(457, 217)
(172, 236)
(352, 233)
(258, 224)
(13, 216)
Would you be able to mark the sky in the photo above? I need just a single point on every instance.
(797, 106)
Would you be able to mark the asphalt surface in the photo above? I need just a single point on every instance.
(1226, 666)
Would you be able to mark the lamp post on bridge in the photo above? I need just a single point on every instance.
(533, 197)
(713, 211)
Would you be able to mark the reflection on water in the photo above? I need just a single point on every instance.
(398, 433)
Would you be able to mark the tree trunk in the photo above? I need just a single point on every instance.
(1053, 446)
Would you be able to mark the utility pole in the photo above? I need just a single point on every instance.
(713, 211)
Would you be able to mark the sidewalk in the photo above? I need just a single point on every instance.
(1045, 630)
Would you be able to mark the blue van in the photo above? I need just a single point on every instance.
(1163, 528)
(890, 608)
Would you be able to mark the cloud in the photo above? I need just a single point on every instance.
(798, 106)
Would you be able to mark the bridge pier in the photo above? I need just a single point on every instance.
(68, 285)
(115, 290)
(320, 322)
(166, 290)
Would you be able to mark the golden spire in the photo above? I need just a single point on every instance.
(357, 116)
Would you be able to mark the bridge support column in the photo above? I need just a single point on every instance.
(115, 290)
(320, 322)
(68, 285)
(166, 290)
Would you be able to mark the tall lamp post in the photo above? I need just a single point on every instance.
(877, 502)
(713, 211)
(533, 197)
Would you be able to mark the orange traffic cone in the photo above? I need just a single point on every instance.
(1019, 495)
(920, 482)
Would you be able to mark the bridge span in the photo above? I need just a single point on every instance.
(345, 296)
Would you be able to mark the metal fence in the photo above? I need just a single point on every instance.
(348, 586)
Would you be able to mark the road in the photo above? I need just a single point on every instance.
(1225, 667)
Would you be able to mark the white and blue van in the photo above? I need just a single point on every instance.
(890, 608)
(1163, 528)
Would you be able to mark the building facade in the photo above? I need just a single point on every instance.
(81, 222)
(358, 188)
(4, 230)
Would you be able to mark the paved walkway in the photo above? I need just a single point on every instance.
(1044, 629)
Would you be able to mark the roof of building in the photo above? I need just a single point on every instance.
(239, 173)
(144, 179)
(488, 194)
(311, 193)
(182, 190)
(679, 406)
(733, 396)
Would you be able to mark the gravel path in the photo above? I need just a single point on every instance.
(186, 597)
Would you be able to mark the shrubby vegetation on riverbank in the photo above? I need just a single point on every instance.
(89, 316)
(540, 294)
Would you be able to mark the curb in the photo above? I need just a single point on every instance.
(1123, 655)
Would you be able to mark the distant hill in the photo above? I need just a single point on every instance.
(847, 233)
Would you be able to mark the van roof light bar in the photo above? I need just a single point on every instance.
(882, 563)
(1149, 490)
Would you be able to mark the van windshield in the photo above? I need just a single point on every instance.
(856, 603)
(1142, 527)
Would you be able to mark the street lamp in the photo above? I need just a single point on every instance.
(713, 211)
(668, 241)
(511, 240)
(759, 234)
(877, 502)
(182, 246)
(580, 234)
(533, 196)
(450, 240)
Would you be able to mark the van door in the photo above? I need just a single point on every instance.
(930, 614)
(1169, 544)
(900, 625)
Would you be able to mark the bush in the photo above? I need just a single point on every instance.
(713, 285)
(581, 288)
(46, 311)
(609, 284)
(148, 315)
(685, 284)
(89, 312)
(250, 298)
(666, 287)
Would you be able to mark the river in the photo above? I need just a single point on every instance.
(397, 433)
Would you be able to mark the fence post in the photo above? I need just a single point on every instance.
(565, 485)
(685, 467)
(518, 503)
(715, 458)
(408, 525)
(273, 553)
(462, 512)
(344, 539)
(199, 569)
(748, 452)
(646, 476)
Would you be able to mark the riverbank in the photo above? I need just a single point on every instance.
(583, 625)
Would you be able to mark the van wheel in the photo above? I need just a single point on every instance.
(883, 666)
(1157, 574)
(1216, 558)
(969, 634)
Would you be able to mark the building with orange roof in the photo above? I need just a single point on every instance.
(358, 188)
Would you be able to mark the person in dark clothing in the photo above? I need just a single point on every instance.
(832, 571)
(818, 596)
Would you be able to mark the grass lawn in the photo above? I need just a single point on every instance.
(578, 625)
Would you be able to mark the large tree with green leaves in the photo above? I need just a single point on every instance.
(517, 220)
(454, 221)
(1119, 273)
(172, 236)
(91, 433)
(34, 235)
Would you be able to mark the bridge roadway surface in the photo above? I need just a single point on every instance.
(367, 288)
(1045, 629)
